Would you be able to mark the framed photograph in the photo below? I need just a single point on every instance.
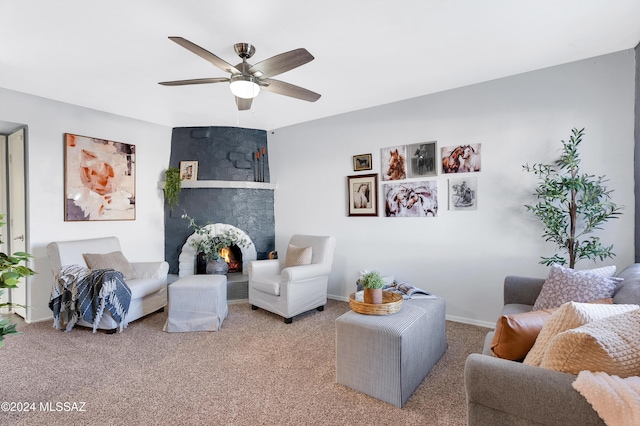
(461, 158)
(361, 162)
(411, 199)
(363, 199)
(99, 179)
(394, 163)
(188, 170)
(463, 193)
(422, 159)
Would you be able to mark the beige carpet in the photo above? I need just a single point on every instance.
(255, 370)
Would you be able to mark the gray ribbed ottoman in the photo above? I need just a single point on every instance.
(388, 356)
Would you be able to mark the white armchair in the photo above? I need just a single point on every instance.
(289, 291)
(148, 290)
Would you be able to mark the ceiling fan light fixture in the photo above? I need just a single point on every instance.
(244, 86)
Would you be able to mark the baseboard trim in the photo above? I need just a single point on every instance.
(470, 321)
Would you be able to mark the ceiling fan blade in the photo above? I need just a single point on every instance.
(286, 89)
(205, 54)
(194, 81)
(243, 104)
(281, 63)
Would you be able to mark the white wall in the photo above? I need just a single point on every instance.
(462, 255)
(141, 239)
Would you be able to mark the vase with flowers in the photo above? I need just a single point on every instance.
(210, 244)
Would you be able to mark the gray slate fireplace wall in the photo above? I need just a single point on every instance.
(225, 154)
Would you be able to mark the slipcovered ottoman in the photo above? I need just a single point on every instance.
(197, 303)
(388, 356)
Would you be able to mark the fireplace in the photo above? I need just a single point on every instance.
(238, 258)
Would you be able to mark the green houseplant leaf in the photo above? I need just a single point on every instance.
(11, 271)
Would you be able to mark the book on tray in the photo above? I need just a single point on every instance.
(408, 291)
(405, 289)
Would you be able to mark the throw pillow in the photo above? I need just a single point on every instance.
(515, 334)
(568, 285)
(114, 260)
(297, 256)
(609, 345)
(568, 316)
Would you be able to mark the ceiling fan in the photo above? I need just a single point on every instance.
(246, 80)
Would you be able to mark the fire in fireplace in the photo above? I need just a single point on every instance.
(233, 256)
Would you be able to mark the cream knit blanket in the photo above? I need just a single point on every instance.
(616, 400)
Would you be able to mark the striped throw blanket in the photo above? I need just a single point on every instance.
(79, 292)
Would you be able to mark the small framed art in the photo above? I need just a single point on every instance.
(361, 162)
(188, 170)
(363, 199)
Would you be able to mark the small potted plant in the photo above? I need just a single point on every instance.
(373, 284)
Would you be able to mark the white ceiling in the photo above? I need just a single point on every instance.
(110, 54)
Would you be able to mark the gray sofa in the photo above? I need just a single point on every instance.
(502, 392)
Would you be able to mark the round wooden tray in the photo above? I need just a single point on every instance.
(391, 303)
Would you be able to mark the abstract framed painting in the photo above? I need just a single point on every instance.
(363, 199)
(99, 179)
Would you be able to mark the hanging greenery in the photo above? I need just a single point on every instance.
(172, 186)
(572, 205)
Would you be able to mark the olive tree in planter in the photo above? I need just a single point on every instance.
(572, 205)
(11, 271)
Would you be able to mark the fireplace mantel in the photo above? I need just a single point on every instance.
(223, 184)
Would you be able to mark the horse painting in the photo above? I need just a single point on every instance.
(471, 158)
(393, 163)
(451, 162)
(463, 194)
(396, 170)
(423, 161)
(361, 196)
(415, 199)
